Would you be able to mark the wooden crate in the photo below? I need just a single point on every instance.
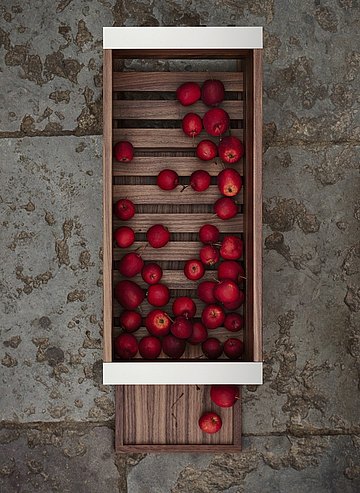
(140, 106)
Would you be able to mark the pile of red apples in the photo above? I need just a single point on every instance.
(169, 331)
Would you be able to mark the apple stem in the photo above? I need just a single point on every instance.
(242, 277)
(168, 316)
(183, 188)
(142, 248)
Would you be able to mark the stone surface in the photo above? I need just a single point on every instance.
(302, 426)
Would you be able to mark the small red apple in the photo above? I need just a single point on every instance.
(167, 179)
(151, 273)
(213, 316)
(233, 322)
(194, 269)
(158, 236)
(216, 121)
(181, 328)
(126, 346)
(173, 346)
(212, 348)
(129, 320)
(123, 151)
(231, 248)
(227, 291)
(229, 182)
(231, 150)
(199, 335)
(224, 395)
(209, 255)
(130, 264)
(209, 234)
(188, 93)
(158, 295)
(233, 348)
(150, 347)
(129, 294)
(158, 323)
(124, 237)
(206, 150)
(124, 209)
(200, 180)
(192, 124)
(205, 291)
(225, 208)
(230, 269)
(184, 306)
(210, 423)
(212, 92)
(237, 303)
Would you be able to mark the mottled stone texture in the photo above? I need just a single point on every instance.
(302, 426)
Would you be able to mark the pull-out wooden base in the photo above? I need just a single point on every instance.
(164, 418)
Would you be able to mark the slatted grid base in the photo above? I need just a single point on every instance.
(155, 418)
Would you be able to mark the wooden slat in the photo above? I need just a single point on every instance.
(174, 279)
(159, 418)
(203, 54)
(164, 138)
(170, 81)
(107, 205)
(168, 109)
(152, 194)
(182, 223)
(184, 166)
(181, 250)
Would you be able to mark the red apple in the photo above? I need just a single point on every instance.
(231, 248)
(158, 295)
(227, 291)
(236, 304)
(130, 320)
(158, 236)
(199, 334)
(212, 92)
(158, 323)
(194, 269)
(230, 269)
(210, 423)
(173, 347)
(124, 209)
(216, 121)
(181, 328)
(150, 347)
(229, 182)
(233, 348)
(151, 273)
(224, 395)
(123, 151)
(130, 264)
(213, 316)
(233, 322)
(129, 294)
(225, 208)
(212, 348)
(200, 180)
(167, 179)
(205, 291)
(126, 346)
(184, 306)
(231, 150)
(206, 150)
(192, 124)
(209, 234)
(209, 255)
(124, 237)
(188, 93)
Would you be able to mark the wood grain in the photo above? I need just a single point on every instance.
(203, 54)
(107, 205)
(181, 250)
(184, 166)
(152, 194)
(163, 138)
(168, 109)
(174, 279)
(182, 223)
(158, 418)
(170, 81)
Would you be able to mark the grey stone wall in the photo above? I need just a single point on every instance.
(302, 426)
